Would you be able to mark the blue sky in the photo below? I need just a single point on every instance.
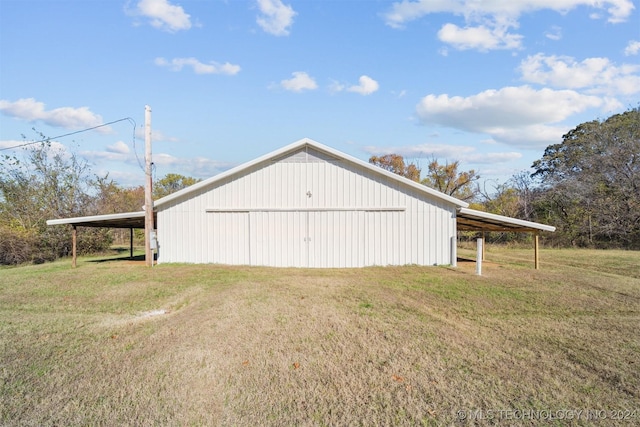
(489, 83)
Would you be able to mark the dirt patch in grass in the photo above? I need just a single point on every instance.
(260, 346)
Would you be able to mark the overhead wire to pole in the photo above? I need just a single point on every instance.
(71, 133)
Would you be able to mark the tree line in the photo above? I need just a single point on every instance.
(587, 186)
(47, 183)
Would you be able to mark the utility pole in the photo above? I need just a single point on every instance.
(148, 199)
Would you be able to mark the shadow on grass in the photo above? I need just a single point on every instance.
(139, 258)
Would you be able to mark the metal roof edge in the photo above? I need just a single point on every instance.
(311, 143)
(506, 219)
(81, 219)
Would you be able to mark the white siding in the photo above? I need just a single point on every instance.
(278, 239)
(307, 209)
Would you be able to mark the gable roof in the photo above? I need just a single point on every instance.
(309, 143)
(466, 219)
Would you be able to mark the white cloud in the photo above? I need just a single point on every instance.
(514, 115)
(65, 117)
(493, 158)
(197, 167)
(164, 15)
(488, 22)
(399, 94)
(619, 10)
(17, 146)
(632, 48)
(118, 148)
(446, 151)
(156, 135)
(109, 156)
(9, 144)
(481, 38)
(176, 64)
(423, 151)
(554, 33)
(595, 75)
(473, 10)
(164, 159)
(276, 17)
(336, 86)
(366, 86)
(530, 136)
(124, 178)
(299, 82)
(406, 10)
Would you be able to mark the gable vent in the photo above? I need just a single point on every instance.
(306, 156)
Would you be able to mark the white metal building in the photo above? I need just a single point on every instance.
(307, 205)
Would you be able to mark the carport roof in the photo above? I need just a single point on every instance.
(119, 220)
(473, 220)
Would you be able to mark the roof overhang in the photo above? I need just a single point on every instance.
(473, 220)
(119, 220)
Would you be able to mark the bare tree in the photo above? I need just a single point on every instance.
(450, 180)
(395, 163)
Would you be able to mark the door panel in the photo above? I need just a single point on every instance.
(336, 238)
(278, 239)
(228, 238)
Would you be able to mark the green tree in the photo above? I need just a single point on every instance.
(171, 183)
(504, 201)
(592, 182)
(512, 198)
(112, 198)
(47, 183)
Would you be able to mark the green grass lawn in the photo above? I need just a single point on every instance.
(116, 343)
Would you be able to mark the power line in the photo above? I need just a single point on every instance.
(135, 151)
(69, 134)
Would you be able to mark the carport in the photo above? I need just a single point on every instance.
(130, 220)
(474, 220)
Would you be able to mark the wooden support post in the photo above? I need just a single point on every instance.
(74, 250)
(131, 243)
(483, 245)
(536, 251)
